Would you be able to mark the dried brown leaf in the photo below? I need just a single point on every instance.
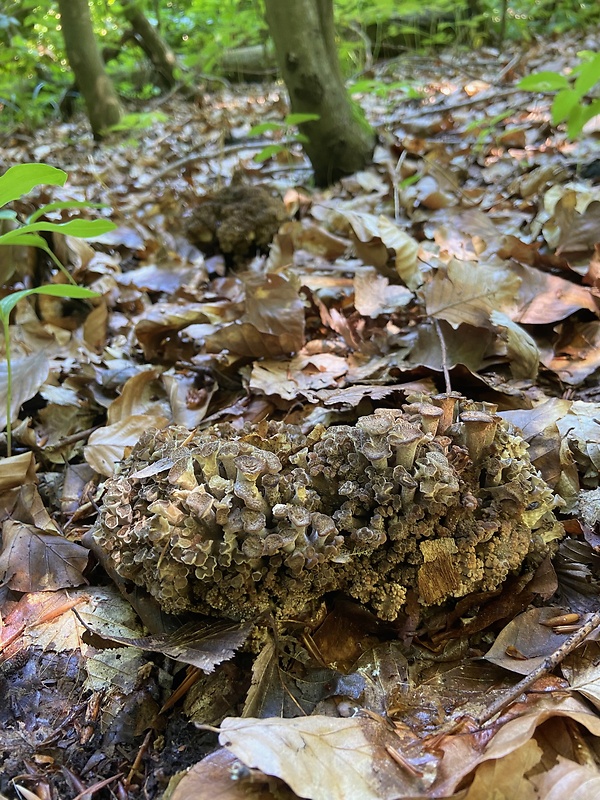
(244, 339)
(16, 471)
(521, 349)
(324, 758)
(28, 376)
(567, 779)
(274, 306)
(219, 777)
(301, 376)
(505, 777)
(106, 446)
(545, 298)
(374, 296)
(200, 644)
(468, 292)
(524, 643)
(34, 561)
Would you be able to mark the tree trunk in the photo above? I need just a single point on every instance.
(341, 141)
(152, 43)
(102, 103)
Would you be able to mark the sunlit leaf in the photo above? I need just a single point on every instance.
(22, 178)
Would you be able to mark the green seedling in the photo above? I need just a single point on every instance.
(571, 103)
(16, 182)
(284, 130)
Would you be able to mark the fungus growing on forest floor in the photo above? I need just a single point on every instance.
(440, 499)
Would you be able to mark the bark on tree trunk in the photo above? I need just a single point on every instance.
(341, 141)
(152, 43)
(102, 103)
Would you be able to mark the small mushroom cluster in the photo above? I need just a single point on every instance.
(439, 499)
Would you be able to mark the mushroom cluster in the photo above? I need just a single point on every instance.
(439, 499)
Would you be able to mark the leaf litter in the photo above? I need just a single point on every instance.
(465, 259)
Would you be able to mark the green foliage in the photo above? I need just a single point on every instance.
(16, 182)
(284, 130)
(571, 103)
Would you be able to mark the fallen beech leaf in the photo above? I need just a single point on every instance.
(218, 777)
(244, 339)
(463, 752)
(17, 470)
(28, 376)
(373, 294)
(324, 758)
(576, 354)
(547, 298)
(273, 306)
(142, 394)
(34, 561)
(525, 635)
(373, 236)
(521, 349)
(106, 446)
(200, 644)
(567, 779)
(582, 670)
(302, 375)
(465, 291)
(505, 777)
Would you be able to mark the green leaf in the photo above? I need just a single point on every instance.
(298, 119)
(543, 82)
(564, 103)
(264, 127)
(80, 228)
(60, 205)
(588, 75)
(24, 239)
(54, 290)
(575, 122)
(22, 178)
(268, 151)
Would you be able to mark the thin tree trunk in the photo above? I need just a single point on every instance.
(152, 43)
(341, 141)
(101, 101)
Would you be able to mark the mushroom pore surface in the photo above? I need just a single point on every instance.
(234, 522)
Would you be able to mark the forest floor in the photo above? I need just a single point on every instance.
(464, 259)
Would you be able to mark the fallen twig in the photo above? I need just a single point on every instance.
(547, 665)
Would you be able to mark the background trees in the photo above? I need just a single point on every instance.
(149, 46)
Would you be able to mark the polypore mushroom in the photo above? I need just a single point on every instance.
(428, 415)
(404, 440)
(479, 431)
(248, 469)
(448, 402)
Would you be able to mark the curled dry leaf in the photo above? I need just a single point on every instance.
(28, 376)
(521, 349)
(301, 376)
(545, 298)
(142, 394)
(106, 446)
(567, 779)
(374, 236)
(506, 777)
(34, 561)
(16, 471)
(244, 339)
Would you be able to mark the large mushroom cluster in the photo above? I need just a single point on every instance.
(439, 499)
